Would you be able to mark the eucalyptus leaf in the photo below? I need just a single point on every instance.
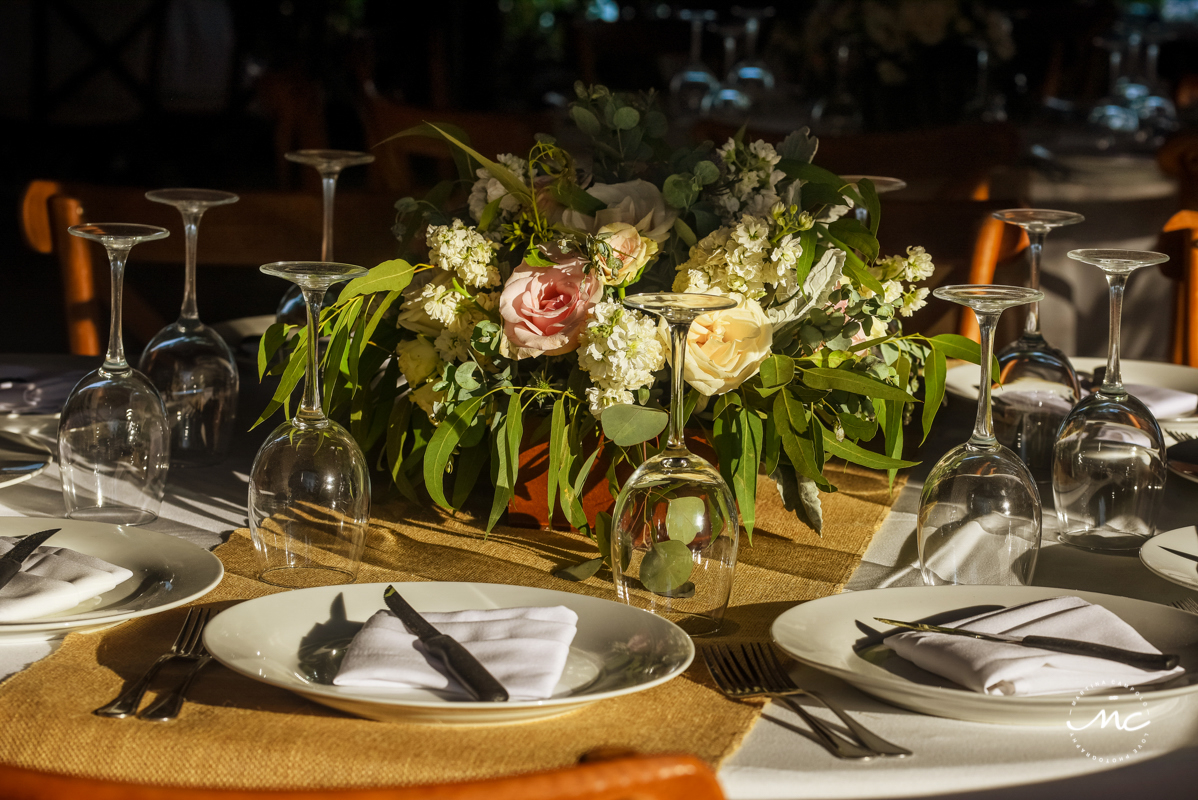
(855, 382)
(666, 567)
(799, 145)
(706, 172)
(389, 276)
(873, 207)
(586, 121)
(800, 496)
(579, 572)
(627, 424)
(934, 370)
(777, 370)
(269, 344)
(684, 232)
(441, 447)
(602, 531)
(626, 118)
(850, 451)
(685, 517)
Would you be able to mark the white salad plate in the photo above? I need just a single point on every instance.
(962, 380)
(167, 572)
(1177, 569)
(296, 640)
(839, 635)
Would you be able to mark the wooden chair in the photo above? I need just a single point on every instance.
(397, 164)
(967, 245)
(669, 777)
(1179, 157)
(953, 163)
(261, 227)
(1179, 239)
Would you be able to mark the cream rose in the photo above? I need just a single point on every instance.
(417, 360)
(725, 348)
(632, 250)
(638, 203)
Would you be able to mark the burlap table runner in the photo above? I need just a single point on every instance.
(237, 733)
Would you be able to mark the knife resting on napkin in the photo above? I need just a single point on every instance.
(524, 648)
(1001, 668)
(53, 579)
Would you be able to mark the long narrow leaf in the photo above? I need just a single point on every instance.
(933, 392)
(855, 382)
(441, 447)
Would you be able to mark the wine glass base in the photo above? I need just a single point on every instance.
(113, 515)
(306, 577)
(1104, 541)
(695, 625)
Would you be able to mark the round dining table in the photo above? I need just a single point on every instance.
(951, 758)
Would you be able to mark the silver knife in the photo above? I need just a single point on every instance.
(1132, 658)
(1190, 556)
(10, 562)
(463, 667)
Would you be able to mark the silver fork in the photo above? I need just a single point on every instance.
(1181, 436)
(167, 707)
(187, 645)
(759, 671)
(1186, 604)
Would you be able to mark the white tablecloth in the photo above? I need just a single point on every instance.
(776, 760)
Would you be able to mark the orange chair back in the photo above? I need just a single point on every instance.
(669, 777)
(1180, 240)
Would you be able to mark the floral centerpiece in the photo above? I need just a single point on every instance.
(505, 328)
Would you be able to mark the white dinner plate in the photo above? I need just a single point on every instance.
(824, 634)
(22, 457)
(167, 572)
(295, 640)
(962, 380)
(1181, 571)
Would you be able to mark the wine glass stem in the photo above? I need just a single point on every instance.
(751, 25)
(310, 413)
(328, 185)
(729, 54)
(191, 231)
(114, 360)
(696, 39)
(983, 428)
(678, 335)
(1112, 380)
(1035, 251)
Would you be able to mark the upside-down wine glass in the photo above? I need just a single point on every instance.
(1039, 385)
(979, 514)
(329, 164)
(726, 98)
(691, 84)
(189, 363)
(751, 74)
(675, 526)
(1109, 463)
(882, 185)
(113, 437)
(309, 494)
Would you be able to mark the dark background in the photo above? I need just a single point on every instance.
(156, 93)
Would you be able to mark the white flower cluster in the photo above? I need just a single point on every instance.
(893, 271)
(620, 350)
(445, 315)
(463, 250)
(740, 261)
(488, 188)
(751, 170)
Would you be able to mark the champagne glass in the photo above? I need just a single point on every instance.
(839, 114)
(1109, 463)
(675, 522)
(691, 84)
(979, 514)
(329, 164)
(113, 437)
(189, 363)
(1039, 385)
(309, 496)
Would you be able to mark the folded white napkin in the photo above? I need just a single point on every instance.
(54, 579)
(1010, 669)
(1164, 403)
(524, 648)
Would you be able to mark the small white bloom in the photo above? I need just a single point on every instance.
(914, 300)
(462, 250)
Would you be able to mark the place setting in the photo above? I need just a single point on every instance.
(600, 453)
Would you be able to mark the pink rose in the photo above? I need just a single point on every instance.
(545, 308)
